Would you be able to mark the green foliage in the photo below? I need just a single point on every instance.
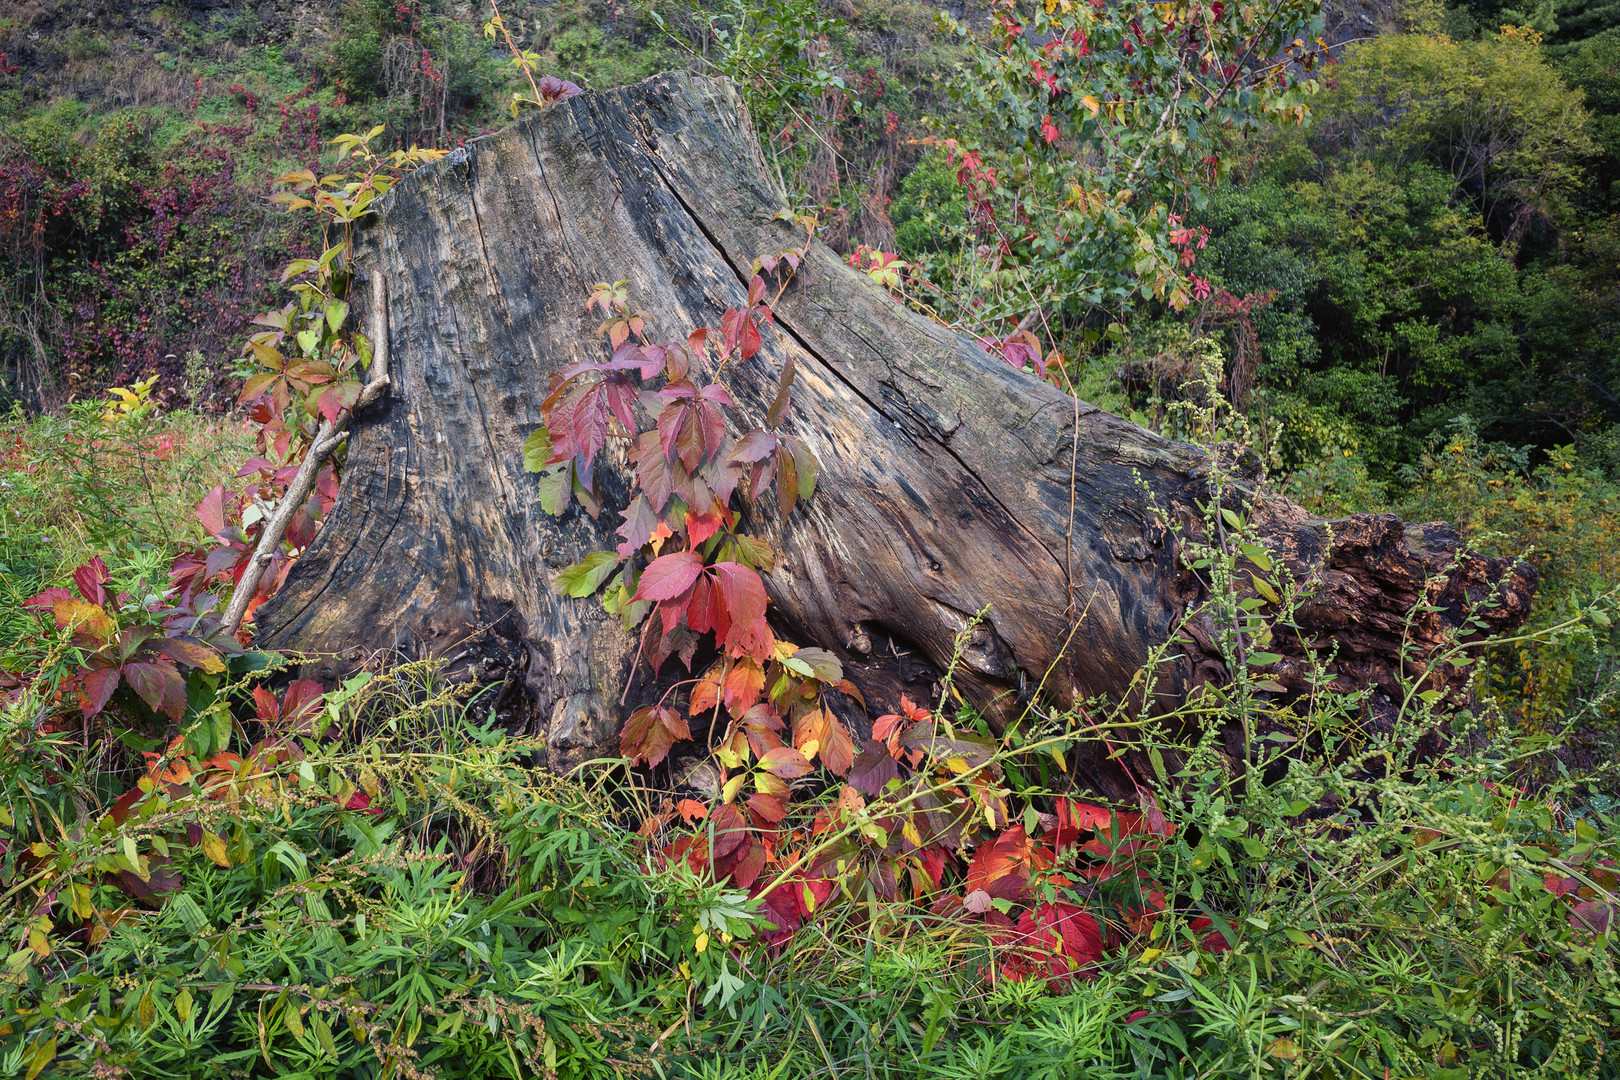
(1493, 113)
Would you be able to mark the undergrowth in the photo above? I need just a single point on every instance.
(373, 881)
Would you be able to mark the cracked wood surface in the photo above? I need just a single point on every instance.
(946, 476)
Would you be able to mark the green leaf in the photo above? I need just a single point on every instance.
(585, 577)
(1599, 617)
(336, 312)
(1263, 587)
(1262, 659)
(555, 487)
(537, 450)
(1231, 519)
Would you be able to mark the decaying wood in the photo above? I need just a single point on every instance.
(947, 483)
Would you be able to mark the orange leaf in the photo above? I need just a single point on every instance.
(744, 683)
(838, 751)
(706, 694)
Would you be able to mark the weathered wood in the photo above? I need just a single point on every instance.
(950, 482)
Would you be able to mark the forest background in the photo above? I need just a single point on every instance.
(1411, 302)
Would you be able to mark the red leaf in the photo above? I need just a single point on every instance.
(97, 686)
(1594, 915)
(753, 639)
(669, 576)
(160, 685)
(746, 872)
(269, 711)
(769, 807)
(699, 527)
(729, 828)
(1009, 851)
(1560, 886)
(302, 700)
(1063, 929)
(649, 734)
(933, 860)
(91, 578)
(621, 396)
(743, 591)
(706, 611)
(211, 511)
(46, 601)
(756, 445)
(785, 762)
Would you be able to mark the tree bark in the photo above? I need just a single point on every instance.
(950, 482)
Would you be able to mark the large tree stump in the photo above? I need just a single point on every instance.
(951, 483)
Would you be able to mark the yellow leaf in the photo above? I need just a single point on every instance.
(702, 942)
(213, 846)
(1283, 1048)
(1264, 588)
(1091, 103)
(42, 1057)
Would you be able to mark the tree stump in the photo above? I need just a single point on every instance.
(950, 483)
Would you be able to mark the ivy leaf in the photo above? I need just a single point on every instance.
(769, 807)
(537, 449)
(336, 312)
(160, 685)
(706, 694)
(785, 762)
(784, 394)
(97, 686)
(669, 576)
(743, 685)
(838, 752)
(744, 592)
(755, 446)
(637, 530)
(818, 664)
(555, 486)
(650, 733)
(806, 465)
(873, 769)
(585, 577)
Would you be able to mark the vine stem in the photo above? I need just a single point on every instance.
(327, 437)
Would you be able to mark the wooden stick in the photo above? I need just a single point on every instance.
(327, 438)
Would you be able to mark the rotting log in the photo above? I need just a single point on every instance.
(950, 482)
